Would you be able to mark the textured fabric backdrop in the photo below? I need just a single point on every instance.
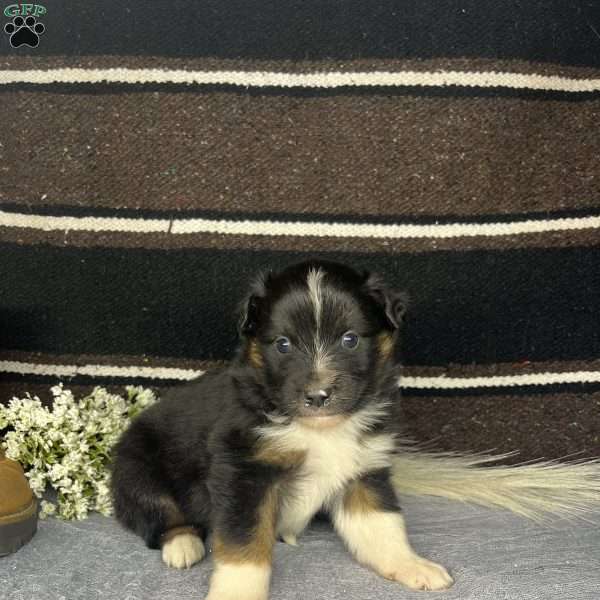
(154, 156)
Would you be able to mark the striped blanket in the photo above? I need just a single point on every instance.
(155, 156)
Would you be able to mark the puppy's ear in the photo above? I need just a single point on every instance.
(250, 310)
(249, 316)
(392, 303)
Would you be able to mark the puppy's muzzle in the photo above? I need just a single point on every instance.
(317, 398)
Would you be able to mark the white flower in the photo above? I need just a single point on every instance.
(47, 509)
(13, 445)
(57, 471)
(69, 444)
(37, 482)
(65, 482)
(54, 435)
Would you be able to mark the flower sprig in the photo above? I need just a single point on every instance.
(68, 446)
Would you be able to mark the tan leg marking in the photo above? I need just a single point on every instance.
(172, 512)
(287, 459)
(260, 548)
(244, 572)
(378, 539)
(360, 499)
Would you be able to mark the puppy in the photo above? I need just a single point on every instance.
(303, 420)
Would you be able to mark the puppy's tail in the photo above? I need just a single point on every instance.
(536, 490)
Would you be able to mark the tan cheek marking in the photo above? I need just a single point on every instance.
(259, 549)
(360, 499)
(254, 355)
(385, 344)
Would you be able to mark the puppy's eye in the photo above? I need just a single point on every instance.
(350, 340)
(283, 345)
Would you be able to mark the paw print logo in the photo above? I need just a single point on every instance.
(24, 31)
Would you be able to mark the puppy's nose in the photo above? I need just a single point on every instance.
(316, 398)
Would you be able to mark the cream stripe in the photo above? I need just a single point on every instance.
(25, 368)
(369, 230)
(51, 223)
(455, 383)
(481, 79)
(293, 228)
(440, 382)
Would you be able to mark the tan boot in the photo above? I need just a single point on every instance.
(18, 507)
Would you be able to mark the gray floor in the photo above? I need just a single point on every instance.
(492, 555)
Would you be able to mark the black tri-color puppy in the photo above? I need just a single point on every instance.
(304, 419)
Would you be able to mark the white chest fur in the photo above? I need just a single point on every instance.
(333, 457)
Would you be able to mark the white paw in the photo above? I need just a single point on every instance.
(419, 573)
(183, 551)
(240, 582)
(290, 539)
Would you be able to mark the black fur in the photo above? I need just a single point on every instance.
(196, 448)
(379, 483)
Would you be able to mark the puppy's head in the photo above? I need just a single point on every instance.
(320, 335)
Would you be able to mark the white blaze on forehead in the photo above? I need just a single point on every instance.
(315, 293)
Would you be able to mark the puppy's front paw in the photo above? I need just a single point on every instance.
(290, 539)
(183, 551)
(240, 582)
(419, 573)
